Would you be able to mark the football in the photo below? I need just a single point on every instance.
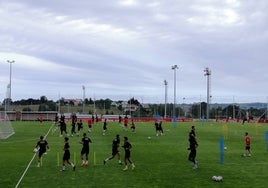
(35, 150)
(217, 178)
(149, 137)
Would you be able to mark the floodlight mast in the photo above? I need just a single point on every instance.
(174, 67)
(165, 83)
(267, 109)
(10, 75)
(208, 73)
(83, 87)
(183, 107)
(233, 108)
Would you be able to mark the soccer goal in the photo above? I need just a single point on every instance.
(6, 129)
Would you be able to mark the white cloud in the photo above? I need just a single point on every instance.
(233, 3)
(161, 17)
(128, 2)
(126, 47)
(215, 16)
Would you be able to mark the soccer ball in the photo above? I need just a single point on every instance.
(35, 150)
(149, 137)
(214, 178)
(217, 178)
(225, 148)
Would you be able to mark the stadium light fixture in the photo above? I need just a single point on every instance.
(165, 83)
(233, 108)
(83, 87)
(267, 109)
(10, 75)
(183, 107)
(207, 74)
(174, 67)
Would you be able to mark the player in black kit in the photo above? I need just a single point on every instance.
(41, 147)
(66, 155)
(192, 147)
(127, 146)
(115, 151)
(85, 149)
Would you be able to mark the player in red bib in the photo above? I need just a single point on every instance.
(247, 147)
(125, 122)
(133, 126)
(89, 124)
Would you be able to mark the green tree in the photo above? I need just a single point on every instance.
(42, 107)
(43, 99)
(27, 109)
(51, 106)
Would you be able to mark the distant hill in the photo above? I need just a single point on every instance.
(256, 105)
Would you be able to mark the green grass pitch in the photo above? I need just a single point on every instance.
(160, 161)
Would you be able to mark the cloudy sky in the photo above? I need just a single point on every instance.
(120, 49)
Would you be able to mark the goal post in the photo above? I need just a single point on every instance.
(6, 128)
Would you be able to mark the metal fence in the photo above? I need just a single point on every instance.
(31, 116)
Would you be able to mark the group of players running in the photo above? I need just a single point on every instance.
(42, 144)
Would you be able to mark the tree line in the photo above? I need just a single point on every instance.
(196, 110)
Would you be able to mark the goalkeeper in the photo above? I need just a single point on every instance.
(41, 147)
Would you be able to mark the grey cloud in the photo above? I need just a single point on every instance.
(117, 49)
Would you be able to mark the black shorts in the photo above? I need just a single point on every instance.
(247, 147)
(84, 151)
(114, 152)
(66, 156)
(127, 154)
(41, 152)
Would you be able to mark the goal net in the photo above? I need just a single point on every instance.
(6, 129)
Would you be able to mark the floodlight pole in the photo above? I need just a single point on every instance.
(10, 74)
(183, 107)
(267, 109)
(233, 108)
(174, 67)
(94, 105)
(130, 107)
(200, 109)
(165, 83)
(59, 104)
(208, 73)
(83, 87)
